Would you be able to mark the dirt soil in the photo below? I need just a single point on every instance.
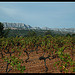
(34, 65)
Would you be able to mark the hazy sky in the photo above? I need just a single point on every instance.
(39, 14)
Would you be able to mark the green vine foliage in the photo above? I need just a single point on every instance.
(66, 60)
(53, 45)
(15, 63)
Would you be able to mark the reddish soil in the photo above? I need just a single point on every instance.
(34, 65)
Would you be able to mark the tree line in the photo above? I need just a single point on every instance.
(28, 33)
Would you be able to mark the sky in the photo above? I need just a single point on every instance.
(39, 14)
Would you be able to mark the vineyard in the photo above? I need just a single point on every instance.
(39, 54)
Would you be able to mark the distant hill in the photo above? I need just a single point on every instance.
(27, 27)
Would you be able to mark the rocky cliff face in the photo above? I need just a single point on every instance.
(24, 26)
(16, 25)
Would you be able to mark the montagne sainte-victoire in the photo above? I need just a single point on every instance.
(25, 26)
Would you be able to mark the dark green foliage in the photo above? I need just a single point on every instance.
(68, 35)
(2, 32)
(31, 33)
(1, 29)
(28, 33)
(73, 35)
(6, 32)
(48, 32)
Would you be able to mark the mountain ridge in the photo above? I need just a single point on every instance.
(26, 27)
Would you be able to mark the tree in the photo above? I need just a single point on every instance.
(1, 29)
(48, 32)
(6, 32)
(73, 35)
(2, 32)
(31, 33)
(68, 34)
